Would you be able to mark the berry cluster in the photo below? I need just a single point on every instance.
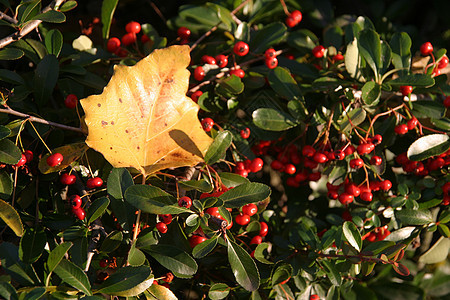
(426, 49)
(378, 234)
(423, 168)
(243, 168)
(114, 44)
(293, 18)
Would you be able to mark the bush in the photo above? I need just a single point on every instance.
(309, 159)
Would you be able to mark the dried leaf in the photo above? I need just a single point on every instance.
(143, 119)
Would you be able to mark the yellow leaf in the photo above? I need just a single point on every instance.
(10, 216)
(143, 119)
(70, 152)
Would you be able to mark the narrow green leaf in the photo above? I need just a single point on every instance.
(267, 36)
(281, 273)
(401, 52)
(6, 185)
(24, 274)
(51, 16)
(218, 291)
(331, 271)
(174, 259)
(45, 78)
(127, 281)
(356, 116)
(232, 180)
(135, 256)
(443, 123)
(244, 194)
(428, 109)
(352, 235)
(428, 146)
(272, 119)
(32, 244)
(414, 217)
(118, 181)
(35, 294)
(444, 217)
(203, 249)
(11, 54)
(151, 199)
(282, 83)
(218, 148)
(369, 46)
(200, 185)
(9, 152)
(73, 276)
(11, 77)
(243, 267)
(69, 5)
(57, 254)
(437, 253)
(10, 216)
(158, 292)
(53, 42)
(416, 80)
(112, 242)
(108, 8)
(7, 291)
(97, 208)
(352, 59)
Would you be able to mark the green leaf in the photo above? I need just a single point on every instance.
(218, 291)
(51, 16)
(267, 36)
(127, 281)
(35, 294)
(232, 180)
(281, 273)
(203, 249)
(10, 216)
(151, 199)
(4, 132)
(22, 273)
(303, 40)
(11, 77)
(244, 194)
(272, 119)
(443, 123)
(352, 235)
(377, 247)
(331, 271)
(356, 116)
(69, 5)
(229, 87)
(135, 256)
(369, 46)
(6, 185)
(199, 185)
(428, 109)
(281, 81)
(444, 230)
(371, 93)
(428, 146)
(108, 8)
(401, 52)
(45, 78)
(444, 217)
(53, 42)
(386, 55)
(118, 181)
(9, 152)
(32, 244)
(97, 209)
(352, 59)
(259, 253)
(243, 267)
(11, 54)
(174, 259)
(73, 276)
(416, 80)
(112, 242)
(57, 254)
(437, 253)
(414, 217)
(158, 292)
(27, 9)
(333, 37)
(218, 147)
(7, 291)
(298, 110)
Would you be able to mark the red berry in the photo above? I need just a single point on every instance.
(184, 33)
(276, 165)
(447, 102)
(401, 129)
(208, 60)
(426, 49)
(213, 211)
(385, 185)
(314, 176)
(238, 72)
(256, 165)
(412, 123)
(297, 15)
(352, 189)
(55, 159)
(332, 195)
(345, 198)
(338, 57)
(245, 133)
(318, 51)
(256, 240)
(271, 63)
(71, 101)
(250, 209)
(365, 148)
(67, 179)
(128, 39)
(196, 239)
(166, 219)
(144, 39)
(185, 202)
(436, 164)
(349, 150)
(103, 263)
(242, 219)
(162, 227)
(221, 60)
(113, 44)
(443, 62)
(314, 297)
(133, 27)
(356, 163)
(406, 90)
(291, 22)
(243, 173)
(199, 73)
(76, 201)
(79, 212)
(240, 166)
(22, 161)
(308, 151)
(207, 124)
(377, 139)
(366, 196)
(195, 95)
(94, 182)
(269, 53)
(376, 160)
(339, 154)
(28, 155)
(264, 228)
(320, 158)
(290, 169)
(241, 48)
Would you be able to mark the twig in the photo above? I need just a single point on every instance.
(39, 120)
(158, 12)
(29, 27)
(8, 18)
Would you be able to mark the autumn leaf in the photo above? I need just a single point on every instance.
(143, 119)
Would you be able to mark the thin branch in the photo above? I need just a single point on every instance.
(7, 18)
(158, 12)
(39, 120)
(29, 27)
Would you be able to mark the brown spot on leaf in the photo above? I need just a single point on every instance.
(138, 147)
(104, 123)
(126, 130)
(99, 105)
(120, 100)
(112, 122)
